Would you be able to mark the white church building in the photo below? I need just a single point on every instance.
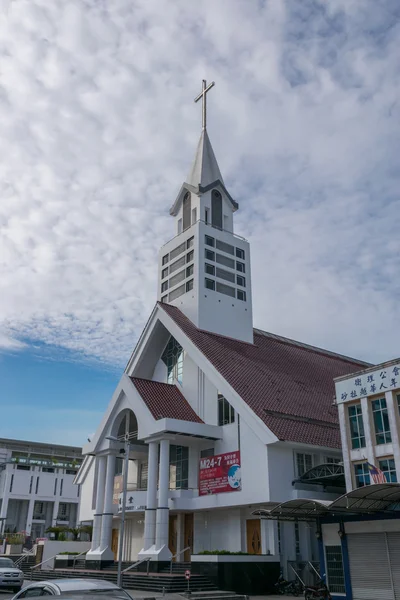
(222, 418)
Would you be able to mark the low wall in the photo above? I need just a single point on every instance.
(51, 549)
(243, 574)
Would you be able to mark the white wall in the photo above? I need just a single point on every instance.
(85, 508)
(217, 530)
(50, 549)
(133, 539)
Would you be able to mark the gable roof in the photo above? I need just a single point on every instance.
(287, 384)
(165, 401)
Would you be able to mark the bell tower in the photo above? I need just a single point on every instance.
(205, 269)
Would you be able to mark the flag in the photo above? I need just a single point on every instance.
(376, 474)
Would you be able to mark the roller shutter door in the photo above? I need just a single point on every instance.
(394, 556)
(369, 566)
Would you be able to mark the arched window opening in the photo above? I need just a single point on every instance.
(173, 359)
(216, 209)
(187, 211)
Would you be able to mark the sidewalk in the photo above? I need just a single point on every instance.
(145, 594)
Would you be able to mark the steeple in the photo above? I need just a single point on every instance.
(205, 169)
(205, 269)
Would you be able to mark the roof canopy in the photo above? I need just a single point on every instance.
(331, 474)
(371, 499)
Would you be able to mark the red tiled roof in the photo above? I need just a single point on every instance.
(164, 400)
(288, 385)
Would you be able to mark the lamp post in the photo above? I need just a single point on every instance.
(124, 493)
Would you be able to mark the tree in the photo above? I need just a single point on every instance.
(59, 533)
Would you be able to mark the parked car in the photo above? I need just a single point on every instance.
(10, 576)
(90, 589)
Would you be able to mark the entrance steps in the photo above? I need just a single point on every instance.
(134, 580)
(214, 595)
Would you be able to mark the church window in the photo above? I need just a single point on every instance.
(206, 215)
(206, 452)
(178, 467)
(226, 412)
(179, 226)
(165, 259)
(177, 264)
(222, 288)
(194, 215)
(241, 295)
(176, 293)
(240, 280)
(164, 286)
(172, 357)
(190, 242)
(210, 284)
(209, 254)
(240, 253)
(240, 267)
(225, 247)
(164, 273)
(225, 260)
(164, 299)
(297, 538)
(216, 209)
(304, 462)
(187, 210)
(210, 269)
(177, 251)
(177, 278)
(190, 256)
(189, 285)
(210, 241)
(189, 270)
(227, 275)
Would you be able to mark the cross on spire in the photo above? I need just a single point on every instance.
(203, 96)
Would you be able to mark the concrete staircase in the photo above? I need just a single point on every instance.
(165, 581)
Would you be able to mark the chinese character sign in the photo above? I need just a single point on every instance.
(366, 384)
(219, 474)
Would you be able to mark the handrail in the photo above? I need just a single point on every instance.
(139, 562)
(77, 556)
(30, 552)
(42, 563)
(178, 554)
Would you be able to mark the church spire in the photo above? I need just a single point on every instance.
(205, 169)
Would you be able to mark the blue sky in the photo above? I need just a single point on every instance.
(97, 132)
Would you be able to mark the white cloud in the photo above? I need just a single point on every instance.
(98, 129)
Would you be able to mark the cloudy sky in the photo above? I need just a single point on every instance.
(97, 132)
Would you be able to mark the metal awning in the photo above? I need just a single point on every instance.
(301, 509)
(370, 499)
(331, 474)
(379, 497)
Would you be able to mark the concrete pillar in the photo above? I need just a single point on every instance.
(162, 516)
(151, 501)
(56, 505)
(4, 504)
(391, 403)
(106, 522)
(29, 516)
(343, 421)
(98, 511)
(370, 440)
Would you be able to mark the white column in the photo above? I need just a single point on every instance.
(29, 516)
(162, 517)
(369, 431)
(55, 512)
(343, 416)
(391, 403)
(151, 501)
(98, 511)
(106, 522)
(4, 504)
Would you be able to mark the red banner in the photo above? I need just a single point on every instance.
(219, 474)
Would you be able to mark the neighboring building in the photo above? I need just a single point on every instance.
(359, 532)
(36, 486)
(221, 417)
